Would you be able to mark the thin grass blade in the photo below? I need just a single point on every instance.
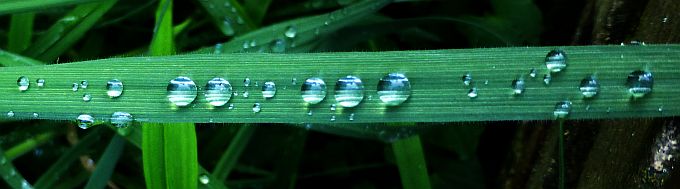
(8, 59)
(411, 162)
(107, 163)
(231, 155)
(257, 9)
(17, 6)
(28, 145)
(11, 176)
(229, 16)
(20, 32)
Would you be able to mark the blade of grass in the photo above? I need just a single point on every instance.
(8, 59)
(561, 156)
(50, 177)
(72, 181)
(411, 162)
(20, 32)
(28, 145)
(67, 31)
(308, 29)
(257, 9)
(107, 163)
(287, 165)
(17, 6)
(11, 176)
(231, 155)
(229, 16)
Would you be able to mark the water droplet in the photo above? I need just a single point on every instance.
(317, 31)
(327, 22)
(268, 89)
(640, 83)
(74, 87)
(291, 32)
(310, 113)
(588, 108)
(35, 115)
(204, 179)
(227, 4)
(87, 97)
(218, 91)
(293, 81)
(349, 91)
(308, 126)
(256, 107)
(246, 82)
(332, 118)
(181, 91)
(472, 93)
(23, 83)
(257, 83)
(351, 117)
(40, 82)
(562, 109)
(467, 79)
(85, 121)
(518, 86)
(589, 86)
(10, 114)
(3, 160)
(609, 109)
(233, 9)
(313, 90)
(547, 78)
(114, 88)
(394, 89)
(246, 94)
(278, 46)
(121, 119)
(253, 43)
(227, 29)
(664, 19)
(556, 60)
(660, 109)
(246, 44)
(532, 72)
(231, 106)
(83, 84)
(486, 82)
(333, 107)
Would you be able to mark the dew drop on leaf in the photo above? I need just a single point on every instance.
(84, 84)
(640, 83)
(467, 79)
(10, 114)
(394, 89)
(204, 179)
(349, 91)
(181, 91)
(268, 89)
(218, 91)
(472, 93)
(87, 97)
(291, 32)
(556, 60)
(518, 86)
(23, 83)
(40, 82)
(256, 108)
(313, 90)
(121, 119)
(85, 121)
(114, 88)
(589, 86)
(562, 109)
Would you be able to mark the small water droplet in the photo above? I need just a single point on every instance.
(121, 119)
(246, 94)
(114, 88)
(317, 31)
(23, 83)
(486, 82)
(204, 179)
(291, 32)
(74, 87)
(664, 19)
(472, 93)
(246, 82)
(310, 113)
(253, 43)
(181, 91)
(394, 89)
(268, 89)
(609, 109)
(40, 82)
(327, 22)
(332, 118)
(278, 46)
(589, 86)
(467, 79)
(87, 97)
(10, 114)
(351, 117)
(227, 29)
(227, 4)
(547, 78)
(660, 109)
(532, 72)
(349, 91)
(256, 107)
(640, 83)
(85, 121)
(293, 81)
(35, 115)
(588, 108)
(218, 91)
(25, 185)
(233, 9)
(84, 84)
(562, 109)
(246, 44)
(313, 90)
(231, 106)
(333, 107)
(556, 60)
(518, 86)
(257, 83)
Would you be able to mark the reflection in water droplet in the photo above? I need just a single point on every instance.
(256, 107)
(218, 91)
(121, 119)
(85, 121)
(467, 79)
(278, 46)
(114, 88)
(204, 179)
(349, 91)
(640, 83)
(556, 60)
(518, 86)
(10, 114)
(268, 89)
(589, 86)
(394, 89)
(532, 72)
(181, 91)
(23, 83)
(87, 97)
(472, 93)
(562, 109)
(313, 90)
(40, 82)
(547, 78)
(74, 87)
(291, 32)
(84, 84)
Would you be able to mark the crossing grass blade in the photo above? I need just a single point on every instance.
(257, 9)
(229, 16)
(230, 156)
(411, 162)
(106, 164)
(11, 176)
(28, 145)
(20, 32)
(17, 6)
(67, 31)
(9, 59)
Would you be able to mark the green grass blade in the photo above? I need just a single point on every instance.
(11, 176)
(20, 32)
(17, 6)
(107, 163)
(73, 181)
(231, 155)
(308, 30)
(229, 16)
(257, 9)
(163, 42)
(181, 159)
(67, 31)
(8, 59)
(28, 145)
(50, 177)
(153, 155)
(438, 94)
(411, 162)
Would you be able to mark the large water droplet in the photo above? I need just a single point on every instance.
(23, 83)
(472, 93)
(589, 86)
(278, 46)
(640, 83)
(256, 107)
(87, 97)
(268, 89)
(85, 121)
(467, 79)
(74, 87)
(121, 119)
(114, 88)
(181, 91)
(10, 114)
(518, 86)
(556, 60)
(349, 91)
(291, 32)
(313, 90)
(394, 89)
(204, 179)
(562, 109)
(40, 82)
(218, 91)
(84, 84)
